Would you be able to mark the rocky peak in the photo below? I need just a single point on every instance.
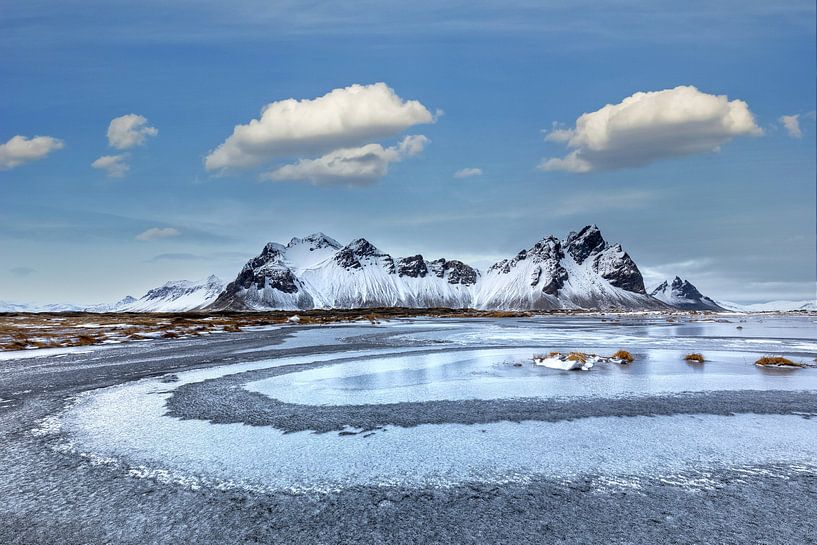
(584, 243)
(618, 268)
(456, 271)
(271, 252)
(350, 256)
(548, 248)
(315, 241)
(683, 294)
(413, 267)
(679, 288)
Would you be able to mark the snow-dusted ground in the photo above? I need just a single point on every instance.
(437, 360)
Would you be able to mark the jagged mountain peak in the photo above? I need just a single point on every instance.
(455, 272)
(587, 241)
(361, 252)
(363, 248)
(413, 266)
(682, 294)
(272, 250)
(315, 241)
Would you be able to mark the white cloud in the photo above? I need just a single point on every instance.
(651, 126)
(19, 150)
(468, 172)
(350, 166)
(129, 130)
(792, 125)
(114, 165)
(339, 119)
(558, 133)
(158, 232)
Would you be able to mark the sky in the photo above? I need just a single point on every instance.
(161, 140)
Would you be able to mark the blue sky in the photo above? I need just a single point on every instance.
(738, 222)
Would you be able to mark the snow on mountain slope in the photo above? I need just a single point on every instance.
(316, 272)
(772, 306)
(6, 306)
(681, 294)
(178, 296)
(119, 306)
(583, 271)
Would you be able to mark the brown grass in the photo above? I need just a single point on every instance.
(777, 361)
(19, 331)
(697, 358)
(623, 355)
(577, 356)
(85, 340)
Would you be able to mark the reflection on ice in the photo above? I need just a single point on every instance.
(129, 421)
(491, 374)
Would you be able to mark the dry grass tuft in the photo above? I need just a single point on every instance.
(623, 355)
(85, 340)
(697, 358)
(577, 356)
(777, 361)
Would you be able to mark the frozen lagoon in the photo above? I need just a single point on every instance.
(417, 365)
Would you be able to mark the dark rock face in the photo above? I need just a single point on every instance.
(413, 267)
(350, 255)
(584, 243)
(556, 277)
(458, 272)
(347, 259)
(280, 278)
(266, 270)
(622, 272)
(685, 289)
(272, 252)
(548, 253)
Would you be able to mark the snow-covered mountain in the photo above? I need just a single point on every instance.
(6, 306)
(175, 296)
(119, 306)
(772, 306)
(318, 272)
(582, 271)
(681, 294)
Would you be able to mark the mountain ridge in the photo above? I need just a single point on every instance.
(581, 271)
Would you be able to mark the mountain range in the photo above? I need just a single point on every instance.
(581, 271)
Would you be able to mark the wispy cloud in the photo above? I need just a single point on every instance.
(22, 271)
(197, 257)
(468, 172)
(155, 233)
